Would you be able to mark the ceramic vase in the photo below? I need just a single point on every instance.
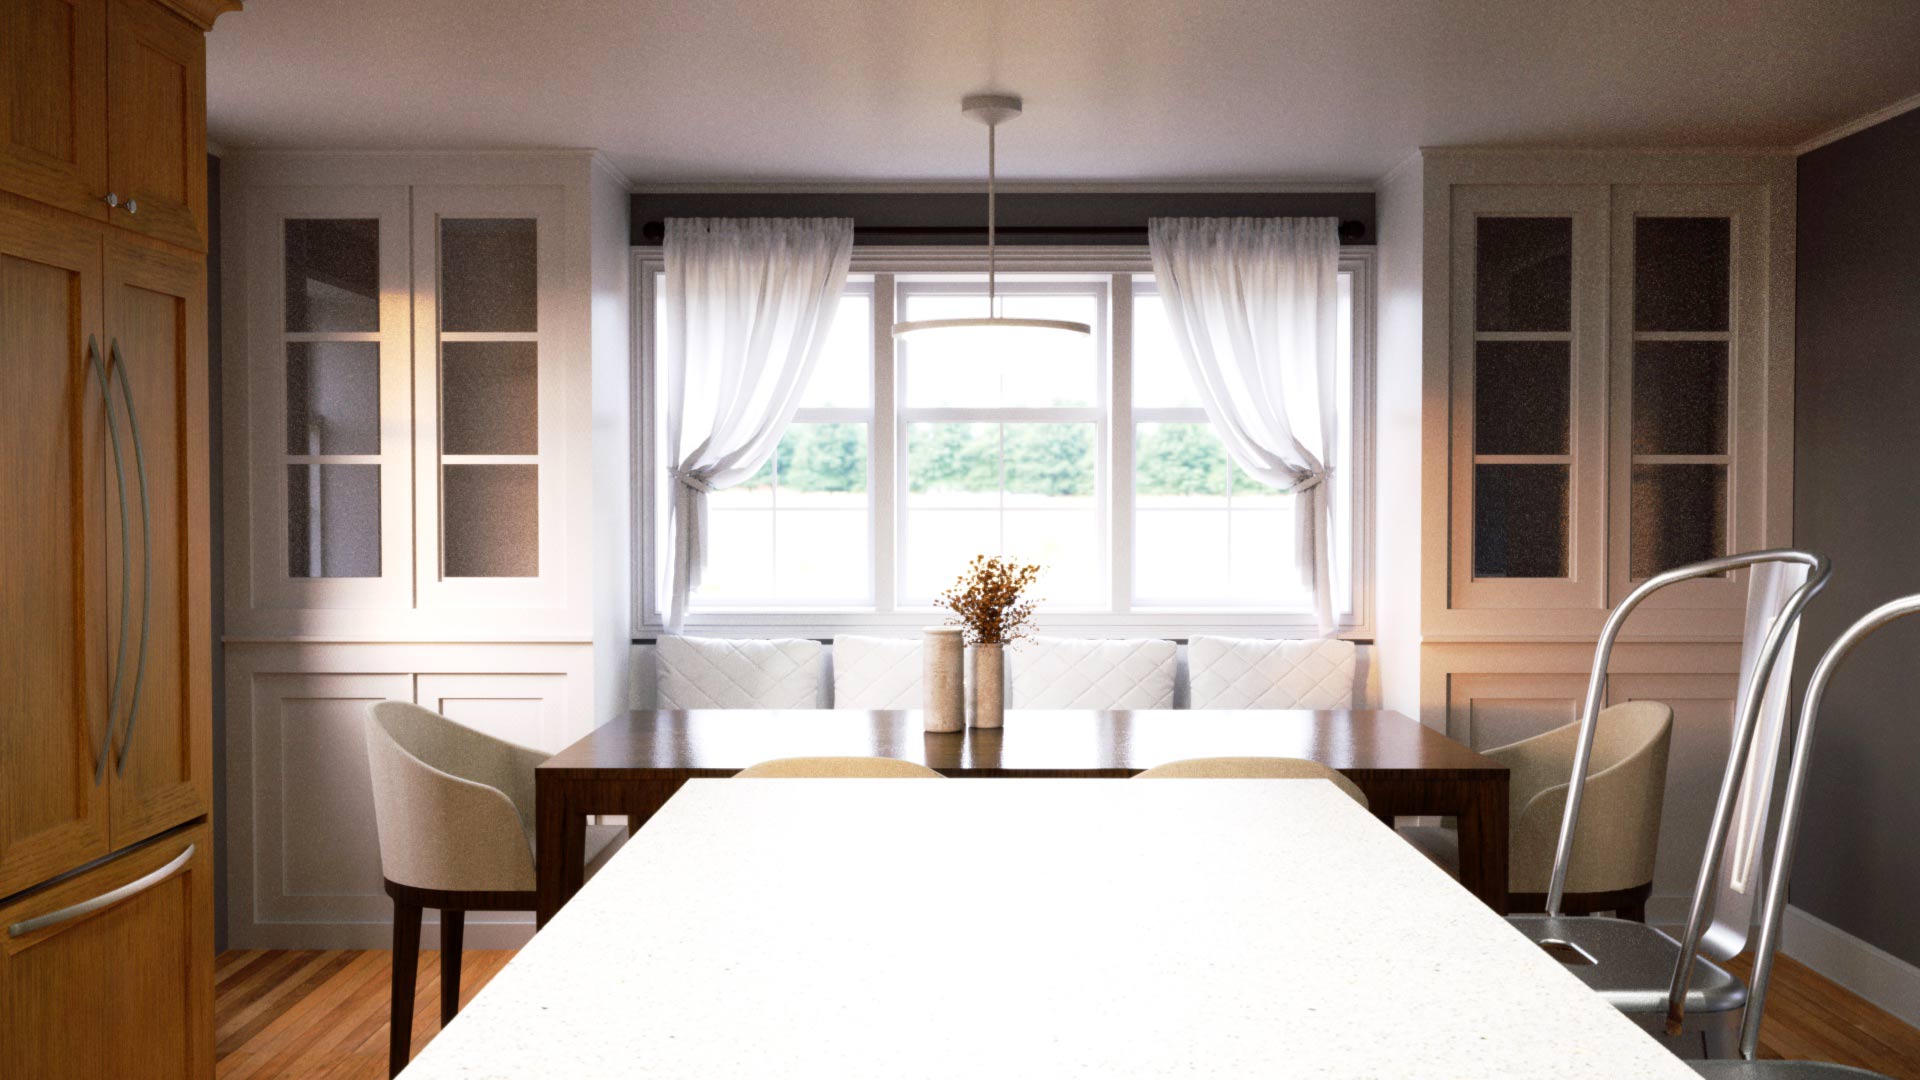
(943, 703)
(989, 685)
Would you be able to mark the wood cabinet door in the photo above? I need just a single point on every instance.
(157, 122)
(124, 988)
(156, 313)
(54, 651)
(53, 103)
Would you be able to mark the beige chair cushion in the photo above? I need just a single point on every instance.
(829, 768)
(1253, 768)
(453, 807)
(1619, 832)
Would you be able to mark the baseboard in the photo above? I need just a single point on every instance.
(1875, 974)
(502, 931)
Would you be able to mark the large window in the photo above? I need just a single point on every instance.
(1087, 454)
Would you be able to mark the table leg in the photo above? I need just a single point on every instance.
(560, 828)
(1483, 840)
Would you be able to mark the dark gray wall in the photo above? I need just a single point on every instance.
(1128, 211)
(215, 532)
(1857, 498)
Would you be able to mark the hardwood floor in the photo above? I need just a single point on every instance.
(323, 1016)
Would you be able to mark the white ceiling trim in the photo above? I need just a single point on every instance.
(1024, 187)
(1862, 124)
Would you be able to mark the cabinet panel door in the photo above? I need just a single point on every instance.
(157, 122)
(54, 655)
(156, 326)
(53, 103)
(124, 990)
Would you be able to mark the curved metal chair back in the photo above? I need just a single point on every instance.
(1780, 631)
(1791, 804)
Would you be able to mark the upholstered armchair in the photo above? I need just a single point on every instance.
(1619, 831)
(454, 811)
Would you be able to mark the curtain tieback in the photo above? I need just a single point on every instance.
(1310, 481)
(688, 478)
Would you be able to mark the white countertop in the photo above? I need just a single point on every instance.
(1030, 928)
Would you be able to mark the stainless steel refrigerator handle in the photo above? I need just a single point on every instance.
(1790, 810)
(1749, 711)
(105, 899)
(116, 363)
(120, 477)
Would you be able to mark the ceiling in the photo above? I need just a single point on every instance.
(1128, 91)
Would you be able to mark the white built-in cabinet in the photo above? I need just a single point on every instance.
(413, 348)
(1607, 369)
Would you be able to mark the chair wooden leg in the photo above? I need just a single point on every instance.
(406, 969)
(453, 926)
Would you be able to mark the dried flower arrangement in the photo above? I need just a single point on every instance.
(989, 600)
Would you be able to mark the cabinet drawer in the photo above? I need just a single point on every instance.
(110, 973)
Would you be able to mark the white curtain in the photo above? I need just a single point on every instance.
(1253, 303)
(747, 308)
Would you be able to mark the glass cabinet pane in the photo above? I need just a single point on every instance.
(488, 275)
(491, 524)
(489, 397)
(1680, 397)
(1520, 397)
(333, 397)
(332, 275)
(333, 521)
(1680, 273)
(1520, 521)
(1679, 516)
(1523, 274)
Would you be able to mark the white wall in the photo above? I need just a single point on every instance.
(1397, 399)
(612, 441)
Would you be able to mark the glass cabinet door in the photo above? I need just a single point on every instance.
(485, 271)
(1683, 274)
(328, 383)
(1528, 264)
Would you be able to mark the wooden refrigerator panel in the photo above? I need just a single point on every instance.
(54, 654)
(123, 990)
(156, 326)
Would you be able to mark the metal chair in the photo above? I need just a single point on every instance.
(1666, 986)
(1253, 768)
(1747, 1067)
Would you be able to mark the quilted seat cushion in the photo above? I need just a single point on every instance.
(1249, 673)
(729, 673)
(1077, 673)
(877, 672)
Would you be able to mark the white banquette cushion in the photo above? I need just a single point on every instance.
(1247, 673)
(877, 672)
(740, 673)
(1079, 673)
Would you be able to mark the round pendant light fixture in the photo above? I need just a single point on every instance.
(991, 110)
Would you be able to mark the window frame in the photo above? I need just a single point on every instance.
(895, 268)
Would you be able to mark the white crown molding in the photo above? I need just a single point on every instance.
(1018, 187)
(605, 164)
(1860, 124)
(1410, 161)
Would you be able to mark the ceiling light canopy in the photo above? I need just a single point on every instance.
(991, 110)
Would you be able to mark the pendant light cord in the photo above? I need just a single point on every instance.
(992, 306)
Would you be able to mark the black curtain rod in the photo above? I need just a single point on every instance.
(1351, 232)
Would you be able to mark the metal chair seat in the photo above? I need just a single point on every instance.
(1632, 963)
(1781, 1070)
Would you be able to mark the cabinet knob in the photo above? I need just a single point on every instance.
(133, 206)
(111, 199)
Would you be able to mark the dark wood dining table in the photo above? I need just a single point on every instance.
(633, 765)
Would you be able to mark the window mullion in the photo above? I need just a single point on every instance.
(885, 441)
(1120, 433)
